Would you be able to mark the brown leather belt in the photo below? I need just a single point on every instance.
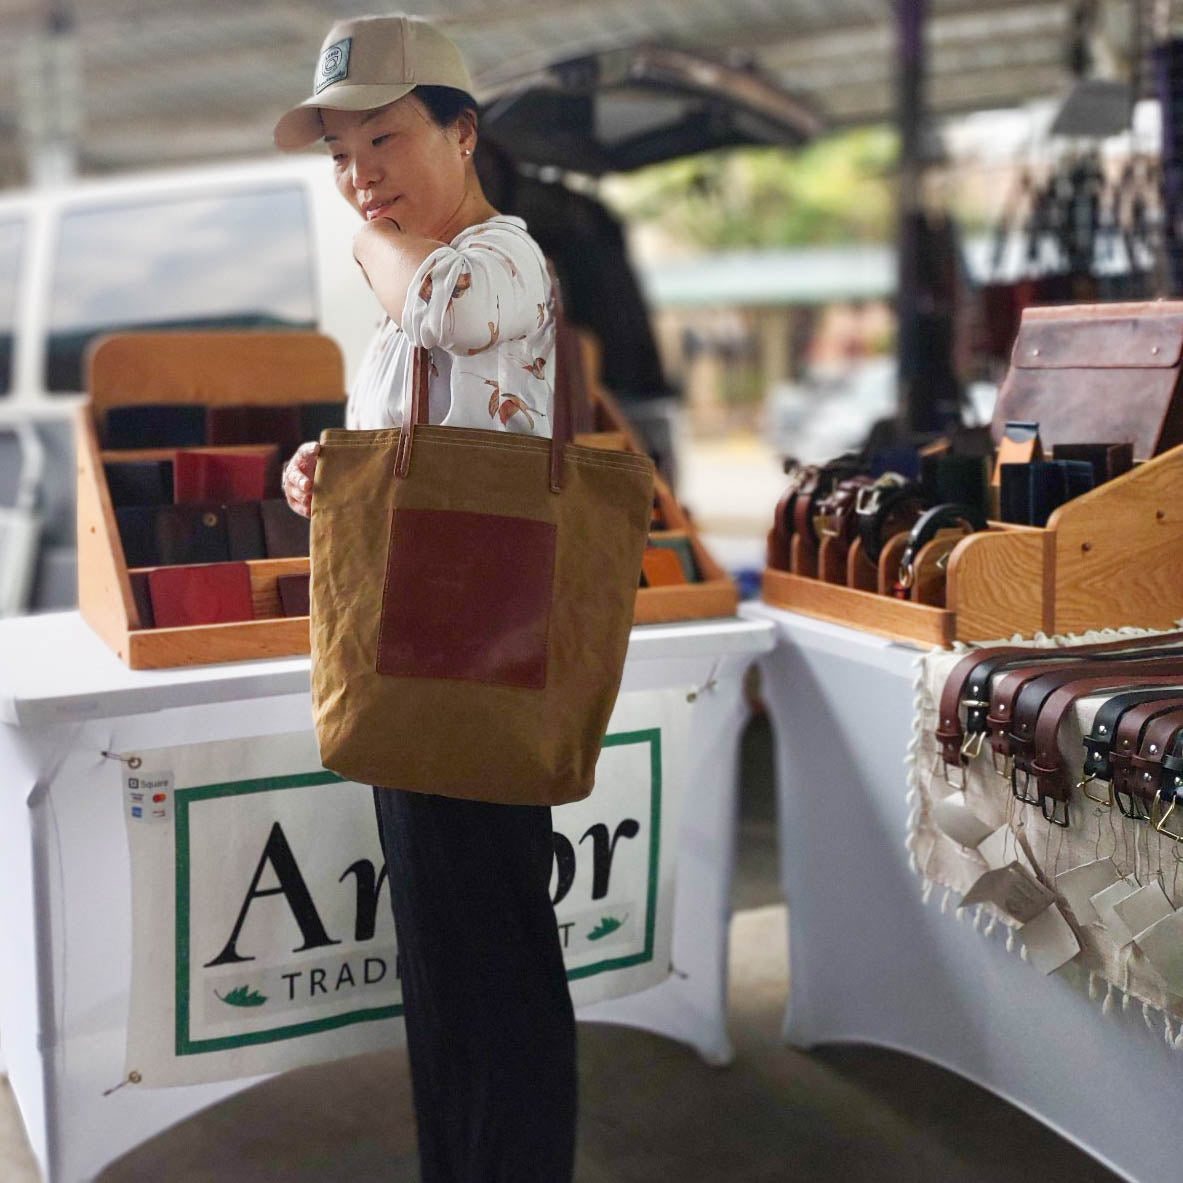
(1129, 744)
(781, 536)
(969, 682)
(1041, 757)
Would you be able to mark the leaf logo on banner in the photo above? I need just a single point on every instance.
(607, 925)
(243, 996)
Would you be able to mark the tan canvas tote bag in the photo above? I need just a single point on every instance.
(472, 594)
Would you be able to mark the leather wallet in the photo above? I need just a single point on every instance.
(220, 476)
(286, 532)
(685, 555)
(137, 533)
(194, 533)
(293, 594)
(143, 597)
(1019, 445)
(208, 594)
(256, 424)
(961, 479)
(316, 417)
(139, 482)
(1029, 493)
(1108, 460)
(244, 530)
(154, 425)
(661, 568)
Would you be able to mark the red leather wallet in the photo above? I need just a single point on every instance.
(211, 593)
(220, 476)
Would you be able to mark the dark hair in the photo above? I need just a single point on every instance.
(445, 103)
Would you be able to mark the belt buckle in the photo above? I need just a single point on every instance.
(1161, 825)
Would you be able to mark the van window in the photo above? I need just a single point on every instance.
(232, 261)
(12, 239)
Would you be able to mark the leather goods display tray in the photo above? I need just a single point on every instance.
(1109, 558)
(217, 370)
(271, 369)
(715, 593)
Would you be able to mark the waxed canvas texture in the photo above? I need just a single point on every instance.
(465, 738)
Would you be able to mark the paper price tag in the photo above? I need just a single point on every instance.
(1003, 847)
(1079, 884)
(1142, 908)
(956, 820)
(149, 796)
(1104, 902)
(1050, 940)
(1162, 943)
(1011, 890)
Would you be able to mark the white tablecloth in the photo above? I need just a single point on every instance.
(872, 963)
(65, 934)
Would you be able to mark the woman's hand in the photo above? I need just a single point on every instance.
(297, 477)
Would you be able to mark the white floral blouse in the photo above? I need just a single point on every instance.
(484, 307)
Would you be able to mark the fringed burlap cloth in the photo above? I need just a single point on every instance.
(1121, 971)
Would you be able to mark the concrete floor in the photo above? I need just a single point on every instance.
(650, 1109)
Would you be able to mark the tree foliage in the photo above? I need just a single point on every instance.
(837, 189)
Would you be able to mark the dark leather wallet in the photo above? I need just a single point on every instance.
(139, 482)
(1029, 493)
(194, 533)
(137, 533)
(293, 594)
(285, 531)
(154, 425)
(244, 530)
(316, 417)
(1107, 460)
(256, 424)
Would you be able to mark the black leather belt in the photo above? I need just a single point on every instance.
(930, 523)
(886, 508)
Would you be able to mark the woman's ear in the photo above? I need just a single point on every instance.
(466, 132)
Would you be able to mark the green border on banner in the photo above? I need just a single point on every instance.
(183, 798)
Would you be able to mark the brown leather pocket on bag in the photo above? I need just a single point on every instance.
(467, 595)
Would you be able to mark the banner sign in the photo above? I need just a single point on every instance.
(262, 930)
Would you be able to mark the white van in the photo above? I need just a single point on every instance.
(256, 246)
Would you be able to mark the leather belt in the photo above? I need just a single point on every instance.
(926, 528)
(1042, 758)
(1149, 763)
(1129, 743)
(1100, 739)
(834, 516)
(817, 484)
(781, 536)
(969, 685)
(890, 506)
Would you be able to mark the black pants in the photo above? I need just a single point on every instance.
(490, 1027)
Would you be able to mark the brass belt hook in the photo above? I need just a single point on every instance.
(971, 746)
(1083, 787)
(1161, 825)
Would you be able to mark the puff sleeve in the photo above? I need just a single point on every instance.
(489, 286)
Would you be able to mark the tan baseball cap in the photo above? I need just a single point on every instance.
(369, 61)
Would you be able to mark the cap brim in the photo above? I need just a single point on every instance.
(301, 126)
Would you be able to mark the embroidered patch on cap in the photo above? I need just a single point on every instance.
(333, 65)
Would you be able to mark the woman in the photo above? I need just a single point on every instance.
(490, 1027)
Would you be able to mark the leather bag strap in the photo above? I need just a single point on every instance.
(569, 379)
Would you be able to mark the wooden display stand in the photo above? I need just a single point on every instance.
(215, 369)
(269, 368)
(716, 594)
(1109, 558)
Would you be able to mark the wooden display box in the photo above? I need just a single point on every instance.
(214, 369)
(716, 594)
(1112, 557)
(266, 368)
